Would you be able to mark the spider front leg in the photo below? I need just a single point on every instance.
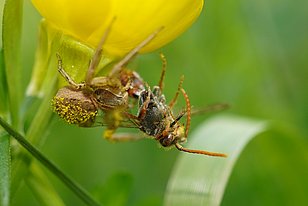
(66, 76)
(119, 66)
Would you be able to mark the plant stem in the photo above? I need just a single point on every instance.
(5, 168)
(75, 187)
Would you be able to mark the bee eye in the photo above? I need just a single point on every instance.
(166, 141)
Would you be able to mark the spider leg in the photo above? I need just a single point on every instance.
(117, 68)
(66, 76)
(122, 137)
(98, 54)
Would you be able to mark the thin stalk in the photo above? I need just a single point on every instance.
(74, 186)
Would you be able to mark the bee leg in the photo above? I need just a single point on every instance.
(66, 76)
(134, 119)
(143, 110)
(123, 137)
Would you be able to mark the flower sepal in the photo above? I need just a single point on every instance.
(75, 56)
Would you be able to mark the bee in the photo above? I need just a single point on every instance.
(155, 117)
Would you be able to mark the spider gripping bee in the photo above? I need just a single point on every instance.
(81, 103)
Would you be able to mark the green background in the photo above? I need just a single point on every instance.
(251, 54)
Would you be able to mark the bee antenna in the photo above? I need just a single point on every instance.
(203, 152)
(188, 111)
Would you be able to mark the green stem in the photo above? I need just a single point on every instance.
(5, 168)
(75, 187)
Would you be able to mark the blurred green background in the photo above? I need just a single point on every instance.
(251, 54)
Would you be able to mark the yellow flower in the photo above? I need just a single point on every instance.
(86, 20)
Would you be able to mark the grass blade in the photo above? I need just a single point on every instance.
(71, 184)
(3, 88)
(272, 170)
(5, 168)
(11, 37)
(200, 180)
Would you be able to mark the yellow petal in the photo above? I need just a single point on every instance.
(135, 20)
(78, 18)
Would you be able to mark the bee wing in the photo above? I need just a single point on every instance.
(210, 108)
(122, 124)
(126, 121)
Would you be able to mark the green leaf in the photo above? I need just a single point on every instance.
(115, 192)
(11, 37)
(272, 170)
(10, 71)
(3, 88)
(201, 180)
(3, 83)
(35, 133)
(5, 168)
(41, 187)
(1, 19)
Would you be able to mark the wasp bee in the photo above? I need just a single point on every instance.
(155, 118)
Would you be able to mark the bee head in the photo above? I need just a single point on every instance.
(175, 134)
